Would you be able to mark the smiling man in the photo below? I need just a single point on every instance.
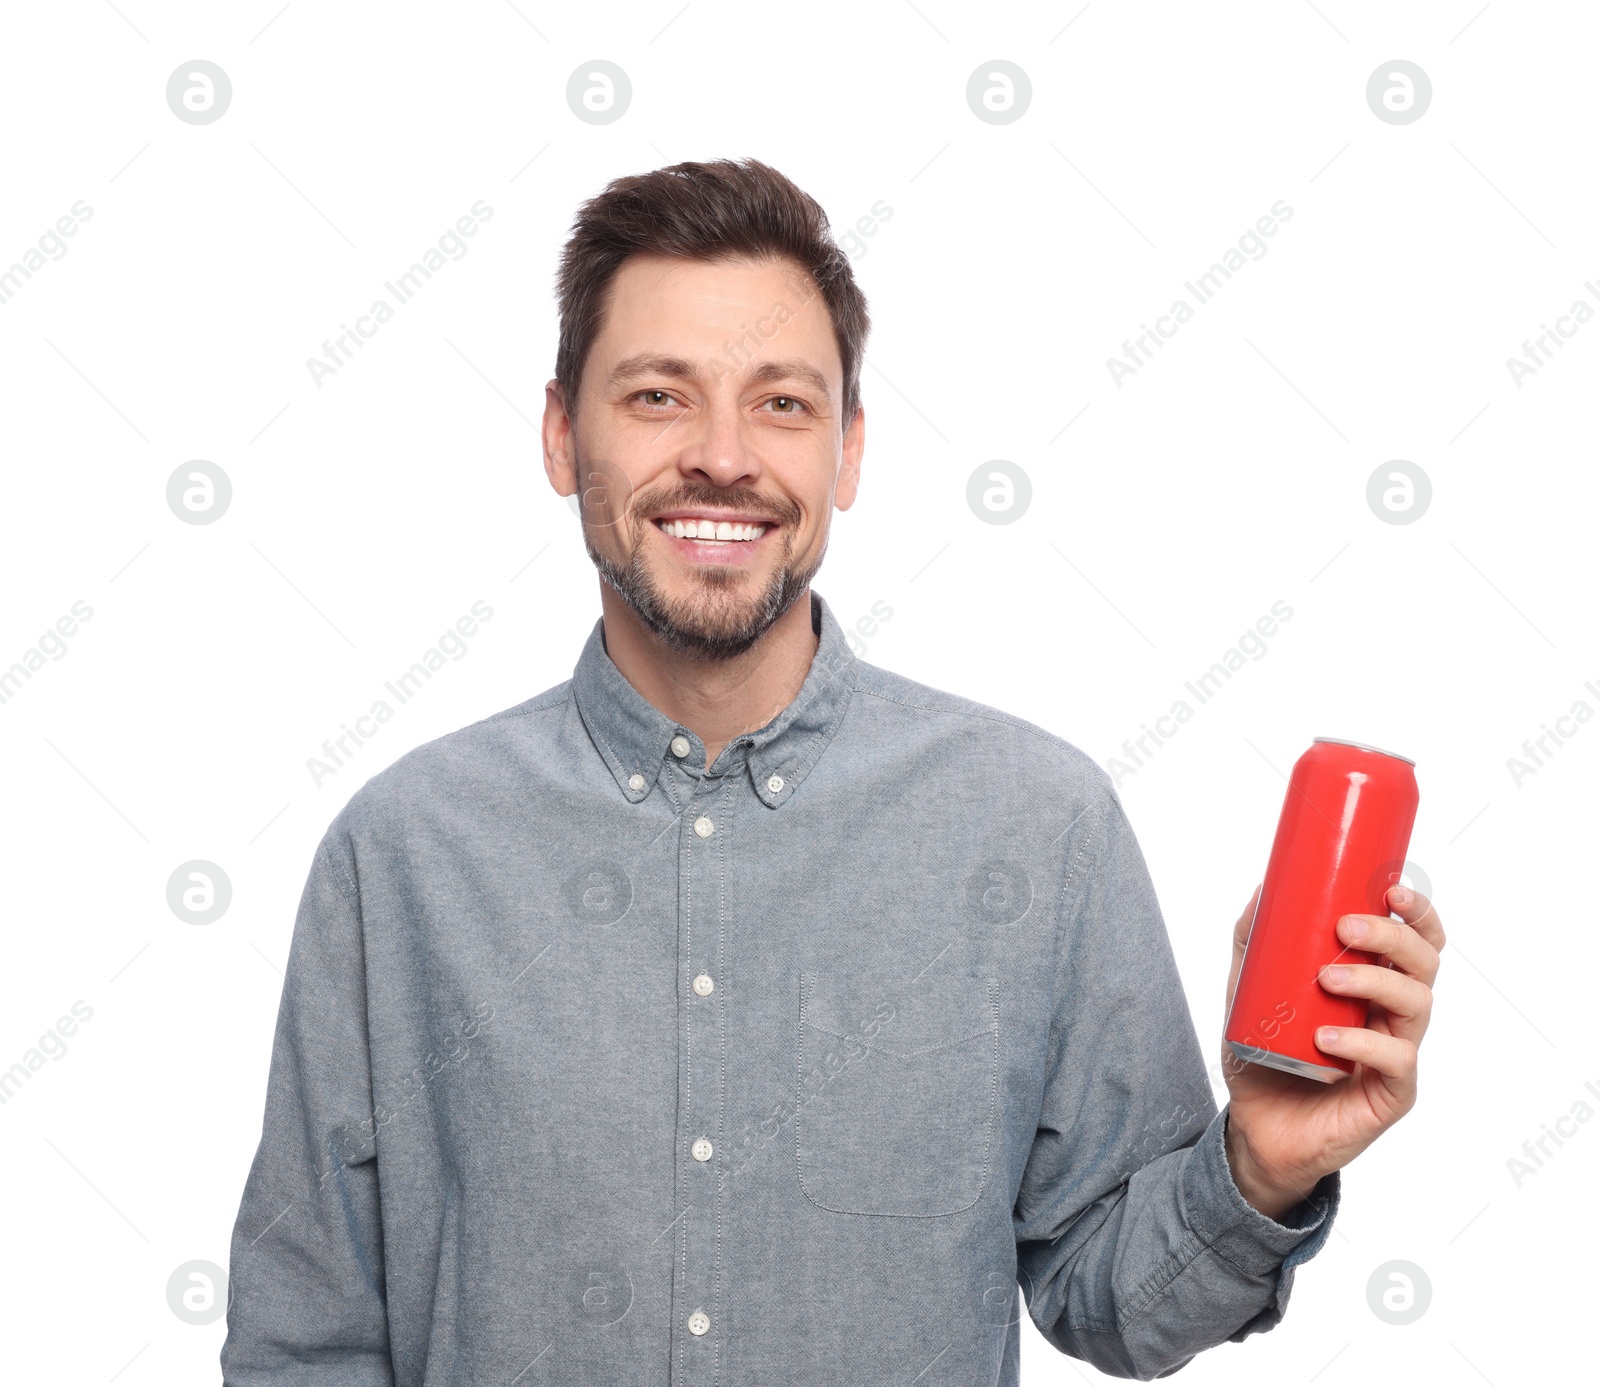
(739, 1012)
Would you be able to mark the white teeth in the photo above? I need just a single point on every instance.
(711, 529)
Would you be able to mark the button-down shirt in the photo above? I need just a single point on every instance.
(597, 1066)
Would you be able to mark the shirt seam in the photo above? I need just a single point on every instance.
(347, 888)
(542, 703)
(1018, 724)
(1120, 1325)
(1073, 875)
(905, 1054)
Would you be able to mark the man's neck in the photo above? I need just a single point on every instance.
(716, 700)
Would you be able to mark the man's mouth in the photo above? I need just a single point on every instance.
(711, 527)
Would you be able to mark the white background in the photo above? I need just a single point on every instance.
(1168, 514)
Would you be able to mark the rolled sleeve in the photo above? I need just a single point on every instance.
(1261, 1248)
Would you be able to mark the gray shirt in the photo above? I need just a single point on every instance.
(594, 1066)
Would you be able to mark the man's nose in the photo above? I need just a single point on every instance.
(718, 447)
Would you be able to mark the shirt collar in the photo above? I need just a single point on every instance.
(633, 737)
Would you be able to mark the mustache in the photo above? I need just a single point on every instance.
(648, 503)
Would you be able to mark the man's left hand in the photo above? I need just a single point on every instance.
(1286, 1132)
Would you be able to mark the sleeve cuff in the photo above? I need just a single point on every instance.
(1225, 1222)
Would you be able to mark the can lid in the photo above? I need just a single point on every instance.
(1345, 741)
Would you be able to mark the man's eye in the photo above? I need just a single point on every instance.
(786, 404)
(654, 397)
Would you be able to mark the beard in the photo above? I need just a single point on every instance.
(714, 622)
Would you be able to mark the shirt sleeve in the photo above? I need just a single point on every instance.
(1135, 1248)
(306, 1274)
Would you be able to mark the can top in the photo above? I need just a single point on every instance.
(1344, 741)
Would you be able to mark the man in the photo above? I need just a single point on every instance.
(739, 1012)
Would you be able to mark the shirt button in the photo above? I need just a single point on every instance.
(699, 1322)
(704, 827)
(703, 984)
(636, 782)
(680, 747)
(775, 783)
(701, 1150)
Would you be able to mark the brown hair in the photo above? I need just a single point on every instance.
(713, 211)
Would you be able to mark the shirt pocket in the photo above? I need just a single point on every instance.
(896, 1094)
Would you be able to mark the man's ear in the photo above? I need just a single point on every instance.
(560, 458)
(855, 442)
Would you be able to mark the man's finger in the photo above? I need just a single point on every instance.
(1391, 1055)
(1241, 928)
(1394, 940)
(1241, 934)
(1408, 1000)
(1418, 912)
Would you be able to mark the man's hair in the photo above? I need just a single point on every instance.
(721, 210)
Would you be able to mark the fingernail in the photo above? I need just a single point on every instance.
(1400, 896)
(1337, 972)
(1355, 927)
(1326, 1035)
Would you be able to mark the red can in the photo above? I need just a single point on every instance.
(1341, 844)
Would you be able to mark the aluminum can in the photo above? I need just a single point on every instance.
(1341, 844)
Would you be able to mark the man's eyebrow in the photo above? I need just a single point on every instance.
(651, 364)
(768, 372)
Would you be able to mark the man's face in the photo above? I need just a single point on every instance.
(707, 446)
